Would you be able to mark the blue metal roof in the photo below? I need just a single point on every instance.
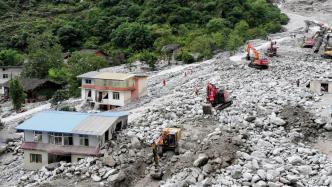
(62, 122)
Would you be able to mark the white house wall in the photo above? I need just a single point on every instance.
(142, 86)
(28, 136)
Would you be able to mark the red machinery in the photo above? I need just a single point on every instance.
(218, 98)
(310, 41)
(256, 62)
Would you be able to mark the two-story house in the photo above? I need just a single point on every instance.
(109, 90)
(6, 73)
(54, 136)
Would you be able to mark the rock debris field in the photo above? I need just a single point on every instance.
(269, 136)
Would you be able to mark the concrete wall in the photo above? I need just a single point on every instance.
(143, 86)
(34, 166)
(330, 87)
(11, 72)
(28, 136)
(316, 86)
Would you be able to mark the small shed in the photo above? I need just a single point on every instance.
(321, 86)
(37, 89)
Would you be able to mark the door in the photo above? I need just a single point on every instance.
(106, 135)
(100, 96)
(118, 126)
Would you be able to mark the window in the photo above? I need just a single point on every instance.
(88, 81)
(5, 76)
(35, 158)
(55, 138)
(78, 159)
(38, 136)
(116, 95)
(89, 93)
(104, 82)
(67, 139)
(106, 96)
(84, 140)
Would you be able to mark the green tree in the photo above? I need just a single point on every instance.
(10, 57)
(16, 93)
(44, 54)
(216, 24)
(77, 64)
(147, 57)
(133, 35)
(70, 37)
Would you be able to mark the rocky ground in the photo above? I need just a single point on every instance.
(274, 134)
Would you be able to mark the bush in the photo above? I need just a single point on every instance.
(186, 57)
(60, 95)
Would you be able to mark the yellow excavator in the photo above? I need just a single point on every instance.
(327, 53)
(168, 140)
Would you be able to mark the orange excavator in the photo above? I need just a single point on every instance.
(256, 61)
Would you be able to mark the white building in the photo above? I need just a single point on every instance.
(108, 90)
(55, 136)
(321, 86)
(6, 73)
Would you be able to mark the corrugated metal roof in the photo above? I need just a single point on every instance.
(66, 122)
(94, 125)
(106, 75)
(113, 76)
(90, 74)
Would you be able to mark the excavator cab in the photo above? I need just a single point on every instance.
(219, 99)
(258, 61)
(168, 140)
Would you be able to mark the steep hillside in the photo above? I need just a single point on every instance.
(123, 28)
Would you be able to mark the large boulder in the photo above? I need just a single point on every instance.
(109, 161)
(119, 177)
(135, 143)
(201, 160)
(295, 159)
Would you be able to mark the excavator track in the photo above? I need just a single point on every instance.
(252, 65)
(223, 106)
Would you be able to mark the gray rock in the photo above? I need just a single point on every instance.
(292, 178)
(96, 178)
(201, 160)
(320, 121)
(261, 173)
(295, 159)
(109, 161)
(117, 177)
(236, 172)
(260, 184)
(135, 143)
(109, 172)
(274, 184)
(247, 176)
(207, 168)
(157, 175)
(3, 148)
(52, 166)
(328, 127)
(250, 118)
(305, 170)
(276, 120)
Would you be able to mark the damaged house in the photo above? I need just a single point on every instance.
(36, 89)
(54, 136)
(108, 90)
(321, 86)
(6, 73)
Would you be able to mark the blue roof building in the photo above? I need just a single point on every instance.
(54, 136)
